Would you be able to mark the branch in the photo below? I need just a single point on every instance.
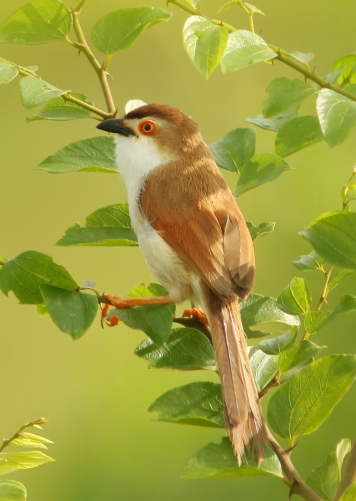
(100, 70)
(349, 475)
(295, 481)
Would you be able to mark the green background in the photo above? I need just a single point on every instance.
(94, 391)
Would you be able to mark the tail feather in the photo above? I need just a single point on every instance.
(244, 420)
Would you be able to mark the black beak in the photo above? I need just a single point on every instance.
(115, 125)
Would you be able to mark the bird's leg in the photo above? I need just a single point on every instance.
(120, 302)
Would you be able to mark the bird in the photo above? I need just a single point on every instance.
(195, 240)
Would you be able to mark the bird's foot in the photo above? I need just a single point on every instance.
(197, 313)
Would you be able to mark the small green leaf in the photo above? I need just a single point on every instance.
(119, 30)
(298, 134)
(95, 154)
(260, 169)
(37, 22)
(2, 261)
(205, 43)
(296, 297)
(254, 9)
(303, 402)
(276, 345)
(276, 122)
(348, 66)
(185, 350)
(325, 479)
(234, 149)
(26, 439)
(349, 494)
(302, 57)
(244, 48)
(299, 355)
(264, 367)
(10, 490)
(309, 262)
(333, 237)
(60, 109)
(337, 116)
(21, 460)
(7, 73)
(284, 94)
(315, 320)
(195, 403)
(109, 226)
(42, 310)
(227, 5)
(333, 76)
(36, 91)
(154, 320)
(73, 312)
(337, 276)
(28, 271)
(258, 310)
(219, 460)
(261, 230)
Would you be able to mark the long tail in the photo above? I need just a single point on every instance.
(244, 420)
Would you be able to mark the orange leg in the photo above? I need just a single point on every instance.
(120, 302)
(199, 314)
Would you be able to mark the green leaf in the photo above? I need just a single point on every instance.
(298, 134)
(315, 320)
(309, 262)
(119, 30)
(36, 91)
(37, 22)
(185, 350)
(349, 494)
(95, 154)
(325, 479)
(337, 276)
(205, 43)
(26, 439)
(333, 237)
(28, 271)
(245, 48)
(154, 320)
(219, 460)
(73, 312)
(276, 122)
(258, 310)
(42, 310)
(296, 297)
(260, 169)
(7, 73)
(337, 116)
(276, 345)
(264, 367)
(109, 226)
(299, 355)
(227, 5)
(234, 149)
(200, 404)
(333, 76)
(284, 94)
(302, 57)
(254, 9)
(21, 460)
(10, 490)
(348, 66)
(351, 87)
(2, 261)
(60, 109)
(303, 402)
(260, 230)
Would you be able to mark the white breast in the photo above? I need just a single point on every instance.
(136, 158)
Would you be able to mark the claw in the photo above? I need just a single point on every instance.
(199, 314)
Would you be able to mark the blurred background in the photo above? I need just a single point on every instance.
(94, 391)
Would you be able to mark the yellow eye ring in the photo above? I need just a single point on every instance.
(147, 127)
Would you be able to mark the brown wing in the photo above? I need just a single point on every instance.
(208, 234)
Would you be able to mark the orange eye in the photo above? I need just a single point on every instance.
(147, 127)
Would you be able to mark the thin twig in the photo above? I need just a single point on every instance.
(100, 70)
(349, 475)
(294, 480)
(7, 441)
